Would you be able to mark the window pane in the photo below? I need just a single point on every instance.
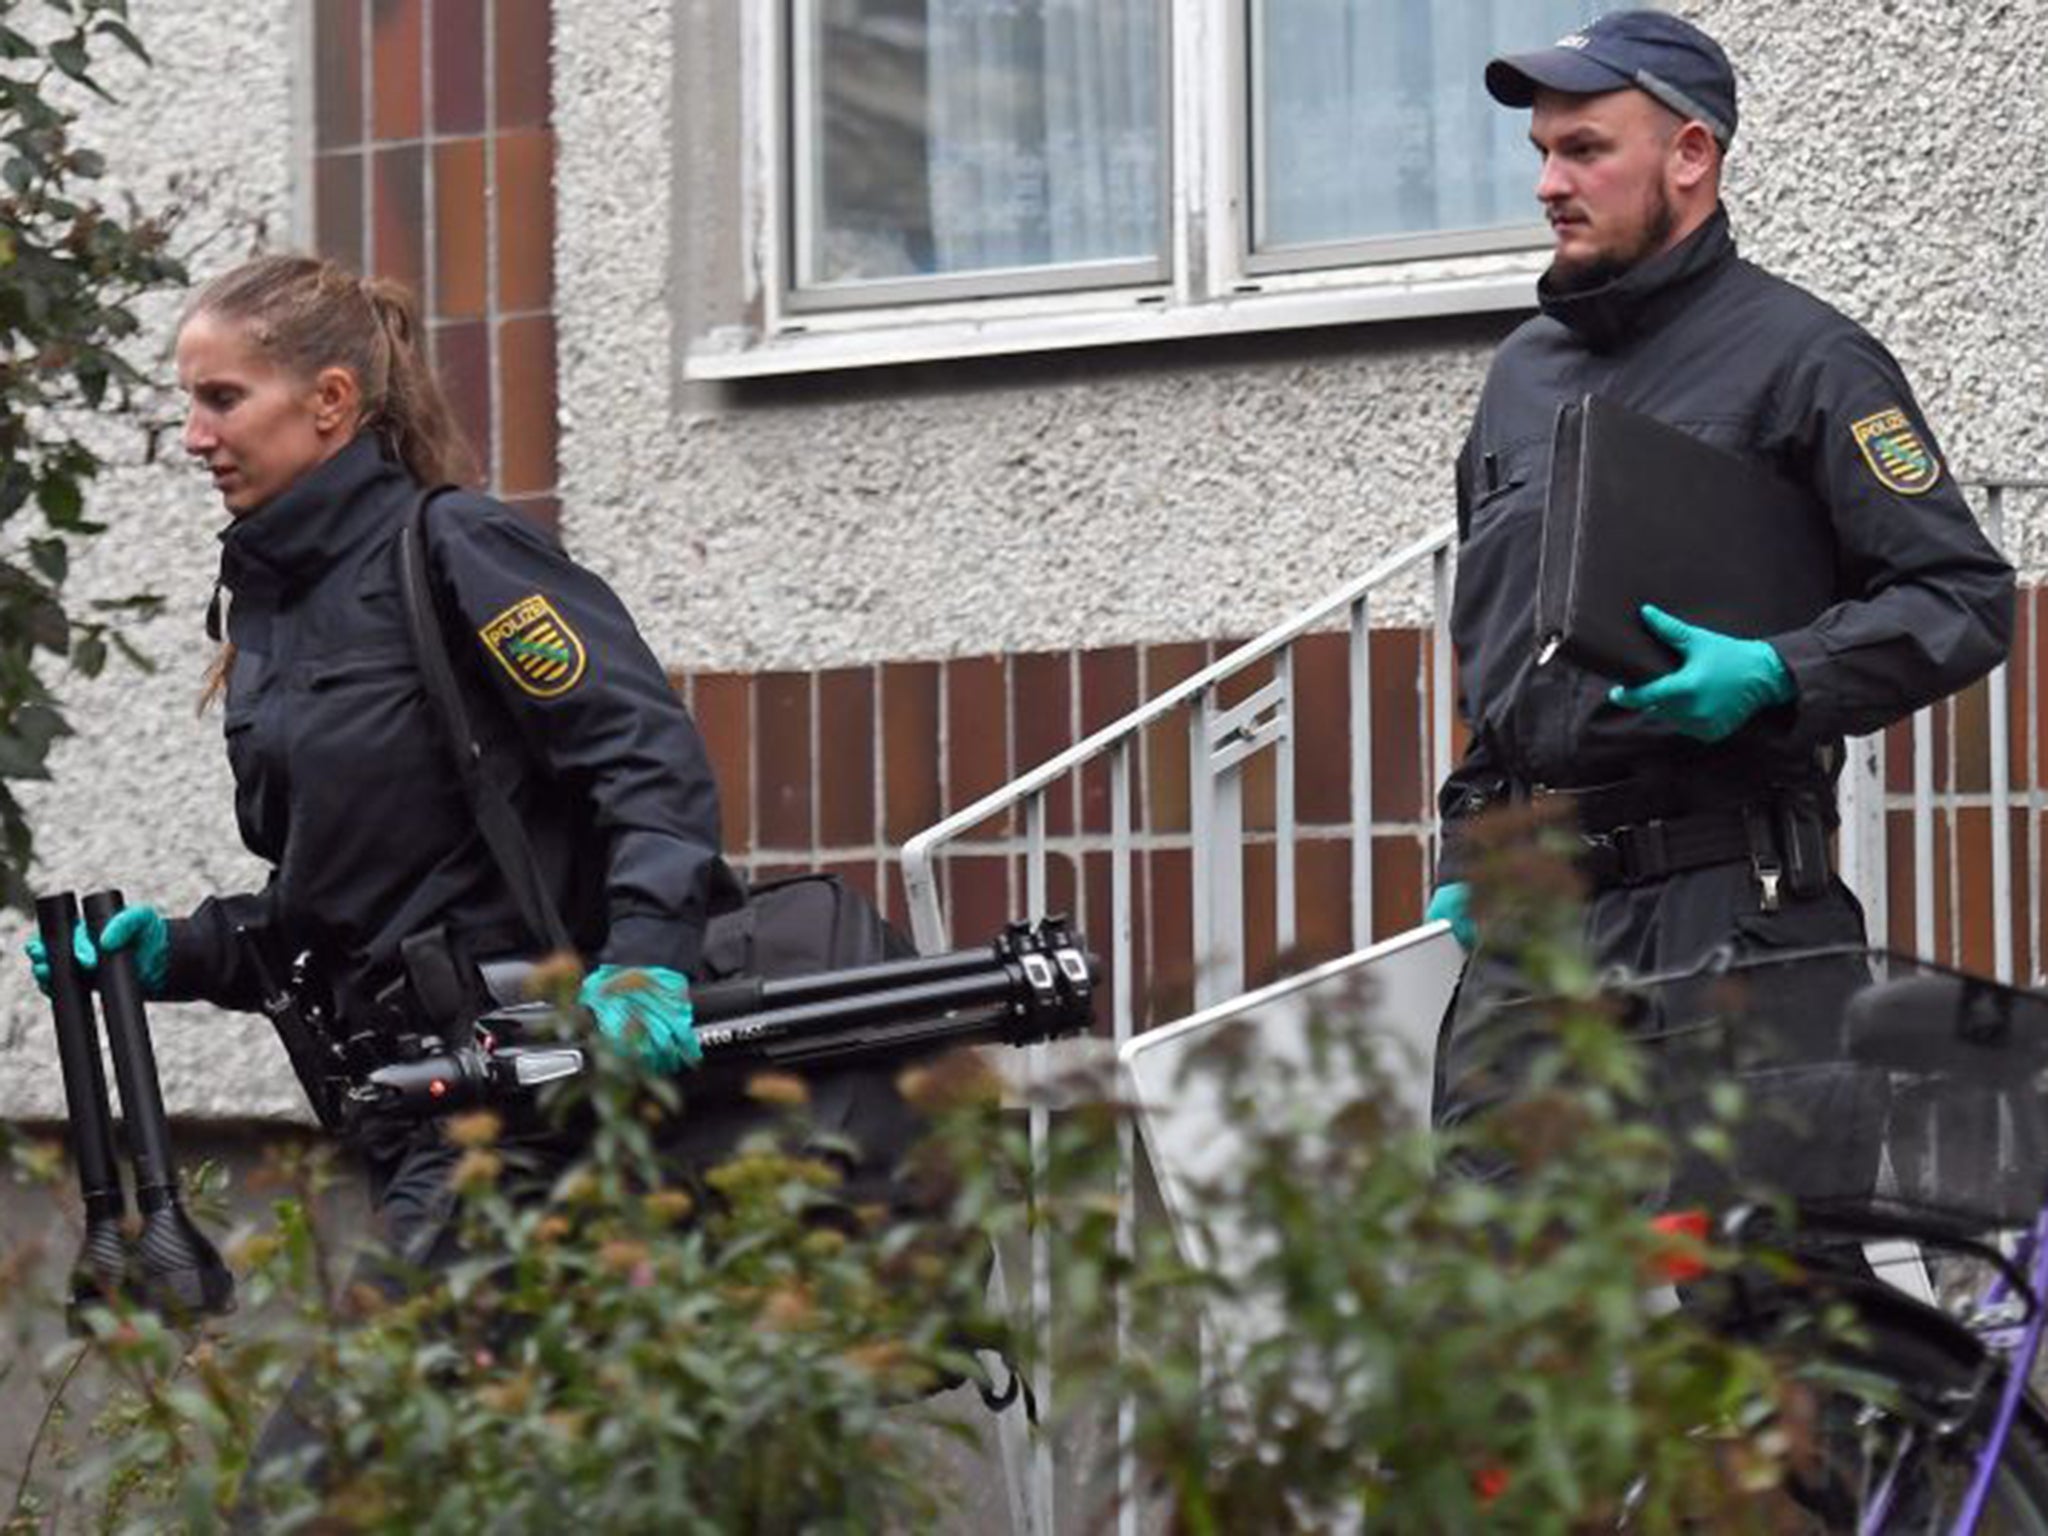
(1372, 118)
(955, 136)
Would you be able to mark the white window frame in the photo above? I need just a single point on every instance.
(1216, 284)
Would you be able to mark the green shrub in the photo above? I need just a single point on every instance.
(628, 1350)
(71, 271)
(1431, 1353)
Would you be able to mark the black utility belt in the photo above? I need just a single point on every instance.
(1784, 841)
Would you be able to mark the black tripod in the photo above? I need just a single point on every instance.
(1030, 984)
(167, 1264)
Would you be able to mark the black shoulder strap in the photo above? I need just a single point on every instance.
(488, 798)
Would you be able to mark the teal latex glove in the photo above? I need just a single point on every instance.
(141, 929)
(1719, 683)
(1452, 904)
(39, 963)
(645, 1011)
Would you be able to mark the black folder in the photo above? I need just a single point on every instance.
(1641, 512)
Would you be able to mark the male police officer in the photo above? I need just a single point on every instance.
(1705, 794)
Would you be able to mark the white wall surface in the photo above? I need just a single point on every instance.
(1893, 157)
(141, 798)
(1890, 157)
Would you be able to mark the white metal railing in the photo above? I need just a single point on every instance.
(1224, 740)
(1230, 729)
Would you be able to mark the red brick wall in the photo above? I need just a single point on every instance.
(434, 163)
(835, 769)
(1964, 817)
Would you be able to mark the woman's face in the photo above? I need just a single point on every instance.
(256, 426)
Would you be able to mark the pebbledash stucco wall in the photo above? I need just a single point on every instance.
(1891, 157)
(141, 797)
(1894, 158)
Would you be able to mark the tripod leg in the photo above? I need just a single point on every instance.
(101, 1271)
(177, 1268)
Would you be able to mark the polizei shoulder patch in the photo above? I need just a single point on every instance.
(1896, 453)
(536, 645)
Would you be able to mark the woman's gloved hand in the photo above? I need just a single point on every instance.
(1719, 683)
(1452, 904)
(645, 1011)
(141, 929)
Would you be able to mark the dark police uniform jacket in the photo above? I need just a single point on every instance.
(343, 780)
(1711, 343)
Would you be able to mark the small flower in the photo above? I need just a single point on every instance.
(620, 1257)
(788, 1309)
(478, 1129)
(550, 1230)
(880, 1359)
(508, 1397)
(580, 1187)
(556, 978)
(476, 1169)
(824, 1243)
(254, 1251)
(955, 1081)
(670, 1206)
(364, 1300)
(781, 1088)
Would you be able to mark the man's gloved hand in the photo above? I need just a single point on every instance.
(1452, 904)
(645, 1011)
(1719, 683)
(141, 929)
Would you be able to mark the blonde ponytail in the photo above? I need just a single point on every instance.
(305, 314)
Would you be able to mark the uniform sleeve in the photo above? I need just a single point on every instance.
(597, 709)
(1927, 603)
(209, 962)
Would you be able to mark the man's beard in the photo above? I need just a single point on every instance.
(1584, 276)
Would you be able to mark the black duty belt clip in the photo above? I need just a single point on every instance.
(1630, 855)
(439, 976)
(1763, 854)
(1803, 845)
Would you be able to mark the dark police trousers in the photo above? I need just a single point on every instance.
(1661, 926)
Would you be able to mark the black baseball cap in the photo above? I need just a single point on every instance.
(1654, 51)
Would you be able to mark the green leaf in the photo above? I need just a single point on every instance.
(46, 627)
(122, 35)
(51, 557)
(16, 482)
(137, 658)
(23, 758)
(89, 656)
(141, 605)
(69, 55)
(40, 725)
(59, 497)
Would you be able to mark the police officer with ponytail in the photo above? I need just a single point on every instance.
(319, 422)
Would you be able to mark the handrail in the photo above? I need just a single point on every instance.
(917, 857)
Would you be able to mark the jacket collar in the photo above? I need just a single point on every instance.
(1644, 297)
(311, 523)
